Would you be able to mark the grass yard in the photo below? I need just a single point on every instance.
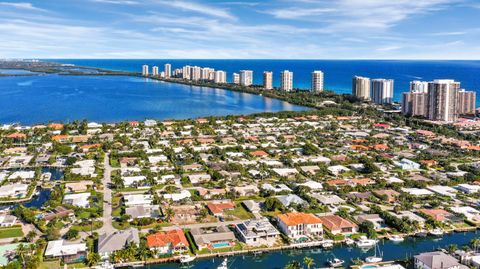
(10, 232)
(50, 265)
(239, 211)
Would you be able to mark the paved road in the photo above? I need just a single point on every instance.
(107, 197)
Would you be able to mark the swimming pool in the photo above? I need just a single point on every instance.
(220, 245)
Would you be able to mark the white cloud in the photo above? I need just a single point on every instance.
(21, 5)
(117, 2)
(199, 8)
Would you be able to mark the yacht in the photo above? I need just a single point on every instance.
(223, 265)
(396, 238)
(364, 242)
(349, 241)
(327, 244)
(186, 258)
(421, 233)
(335, 262)
(436, 232)
(375, 258)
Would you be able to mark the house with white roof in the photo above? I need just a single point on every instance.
(468, 188)
(17, 190)
(22, 175)
(313, 185)
(469, 212)
(443, 190)
(417, 191)
(285, 172)
(68, 252)
(276, 188)
(131, 180)
(184, 194)
(77, 199)
(406, 164)
(290, 199)
(137, 199)
(337, 169)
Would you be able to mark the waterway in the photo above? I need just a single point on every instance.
(277, 260)
(41, 99)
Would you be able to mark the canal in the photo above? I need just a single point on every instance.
(277, 260)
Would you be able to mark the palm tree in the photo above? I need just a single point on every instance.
(475, 243)
(309, 262)
(293, 265)
(20, 251)
(452, 248)
(92, 259)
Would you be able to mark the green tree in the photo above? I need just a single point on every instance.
(309, 262)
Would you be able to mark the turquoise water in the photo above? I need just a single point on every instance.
(277, 260)
(40, 99)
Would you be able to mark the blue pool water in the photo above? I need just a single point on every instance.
(220, 245)
(40, 99)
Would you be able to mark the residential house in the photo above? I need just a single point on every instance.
(109, 243)
(338, 225)
(300, 225)
(214, 237)
(173, 241)
(69, 253)
(436, 260)
(257, 232)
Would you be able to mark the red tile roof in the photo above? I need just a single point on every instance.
(175, 237)
(295, 218)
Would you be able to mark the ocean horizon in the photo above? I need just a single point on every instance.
(337, 73)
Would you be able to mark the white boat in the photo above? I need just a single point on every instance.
(223, 265)
(327, 244)
(186, 258)
(335, 262)
(436, 232)
(396, 238)
(364, 242)
(349, 241)
(375, 258)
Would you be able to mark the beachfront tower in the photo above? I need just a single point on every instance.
(267, 80)
(286, 81)
(317, 81)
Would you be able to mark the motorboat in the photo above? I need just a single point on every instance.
(335, 262)
(421, 234)
(224, 264)
(364, 242)
(396, 238)
(375, 258)
(436, 232)
(349, 241)
(186, 259)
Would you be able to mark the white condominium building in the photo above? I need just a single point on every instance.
(317, 81)
(361, 87)
(236, 78)
(246, 77)
(186, 72)
(286, 81)
(168, 70)
(267, 80)
(382, 91)
(418, 86)
(155, 71)
(145, 70)
(195, 73)
(220, 76)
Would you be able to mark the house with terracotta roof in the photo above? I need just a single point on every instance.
(338, 225)
(217, 208)
(437, 214)
(299, 225)
(17, 136)
(258, 153)
(170, 242)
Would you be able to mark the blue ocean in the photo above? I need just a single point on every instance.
(338, 73)
(39, 99)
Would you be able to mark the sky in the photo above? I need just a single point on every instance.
(256, 29)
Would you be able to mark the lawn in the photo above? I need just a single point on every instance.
(9, 232)
(239, 211)
(50, 265)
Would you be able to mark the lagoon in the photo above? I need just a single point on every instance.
(46, 98)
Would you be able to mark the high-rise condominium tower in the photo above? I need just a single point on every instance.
(168, 70)
(144, 70)
(286, 81)
(442, 100)
(361, 87)
(246, 77)
(267, 80)
(317, 81)
(382, 91)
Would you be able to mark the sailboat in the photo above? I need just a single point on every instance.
(375, 258)
(223, 265)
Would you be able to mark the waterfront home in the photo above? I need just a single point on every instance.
(58, 212)
(257, 232)
(108, 243)
(469, 212)
(299, 225)
(137, 199)
(185, 214)
(23, 175)
(436, 260)
(375, 219)
(213, 237)
(217, 208)
(15, 190)
(77, 199)
(173, 241)
(410, 216)
(338, 225)
(69, 253)
(437, 214)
